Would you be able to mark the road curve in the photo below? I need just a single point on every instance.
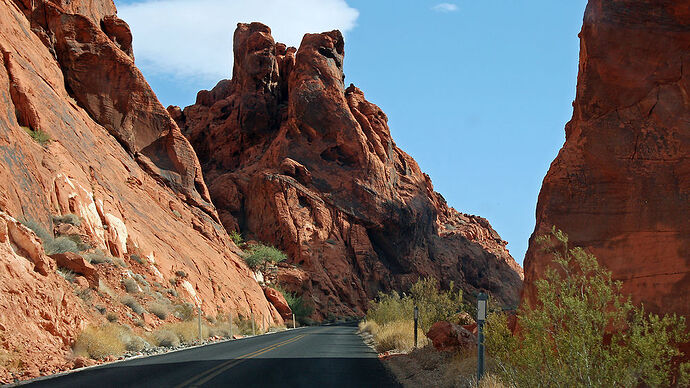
(325, 356)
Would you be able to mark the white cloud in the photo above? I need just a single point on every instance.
(193, 38)
(445, 7)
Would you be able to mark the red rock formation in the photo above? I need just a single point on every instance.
(118, 161)
(295, 159)
(620, 186)
(449, 336)
(278, 300)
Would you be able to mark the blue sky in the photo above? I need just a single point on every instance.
(478, 92)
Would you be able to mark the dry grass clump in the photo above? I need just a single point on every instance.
(99, 342)
(130, 285)
(370, 327)
(158, 309)
(111, 339)
(98, 257)
(166, 338)
(398, 336)
(188, 331)
(10, 360)
(133, 304)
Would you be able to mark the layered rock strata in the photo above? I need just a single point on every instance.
(117, 161)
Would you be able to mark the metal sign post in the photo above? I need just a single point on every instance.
(253, 324)
(482, 307)
(416, 320)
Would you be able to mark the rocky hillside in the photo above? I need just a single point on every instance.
(82, 134)
(294, 158)
(620, 185)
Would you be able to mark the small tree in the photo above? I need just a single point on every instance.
(582, 332)
(260, 256)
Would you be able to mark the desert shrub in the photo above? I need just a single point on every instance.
(98, 257)
(139, 322)
(38, 135)
(37, 228)
(236, 238)
(260, 256)
(137, 259)
(67, 219)
(135, 344)
(188, 331)
(433, 303)
(101, 309)
(398, 335)
(85, 295)
(166, 338)
(60, 244)
(582, 331)
(119, 262)
(184, 311)
(67, 274)
(100, 342)
(158, 309)
(171, 291)
(10, 359)
(181, 274)
(130, 285)
(370, 327)
(298, 305)
(112, 317)
(133, 304)
(244, 325)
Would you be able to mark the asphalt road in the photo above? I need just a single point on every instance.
(325, 356)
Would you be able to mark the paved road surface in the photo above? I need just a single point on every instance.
(326, 356)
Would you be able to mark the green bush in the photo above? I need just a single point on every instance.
(236, 238)
(262, 255)
(39, 136)
(433, 303)
(298, 305)
(582, 331)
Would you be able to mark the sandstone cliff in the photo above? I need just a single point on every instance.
(295, 159)
(620, 185)
(115, 159)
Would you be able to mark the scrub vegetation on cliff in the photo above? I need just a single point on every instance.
(583, 331)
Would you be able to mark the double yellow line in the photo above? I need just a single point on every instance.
(206, 376)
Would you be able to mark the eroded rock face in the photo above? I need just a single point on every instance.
(620, 186)
(295, 159)
(118, 161)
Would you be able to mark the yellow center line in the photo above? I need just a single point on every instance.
(215, 371)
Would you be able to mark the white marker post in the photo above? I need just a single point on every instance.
(199, 323)
(253, 324)
(230, 320)
(294, 324)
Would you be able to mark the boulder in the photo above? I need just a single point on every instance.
(449, 336)
(278, 301)
(79, 265)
